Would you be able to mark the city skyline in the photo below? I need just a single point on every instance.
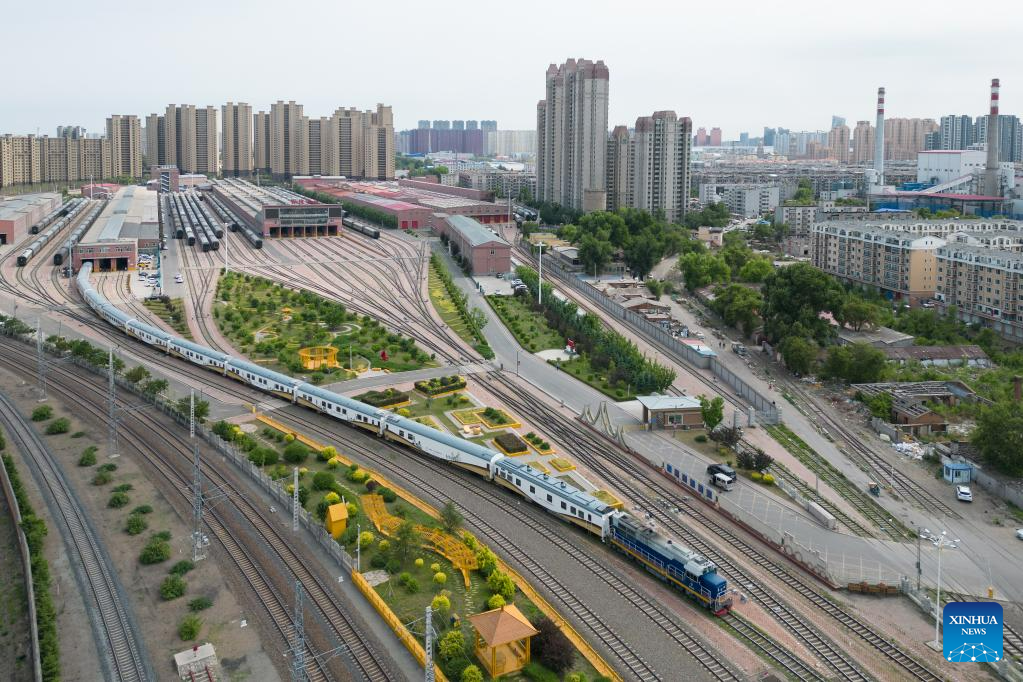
(761, 63)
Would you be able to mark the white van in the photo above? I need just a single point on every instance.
(723, 481)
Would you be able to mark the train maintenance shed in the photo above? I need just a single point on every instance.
(486, 253)
(277, 212)
(129, 224)
(18, 214)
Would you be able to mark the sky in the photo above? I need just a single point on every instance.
(737, 64)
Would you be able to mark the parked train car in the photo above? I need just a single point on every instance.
(361, 227)
(681, 567)
(63, 254)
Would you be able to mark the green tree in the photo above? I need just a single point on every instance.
(858, 363)
(756, 270)
(594, 254)
(642, 253)
(472, 673)
(552, 647)
(189, 628)
(799, 353)
(712, 410)
(406, 539)
(477, 319)
(794, 298)
(450, 517)
(998, 436)
(154, 387)
(172, 587)
(451, 645)
(701, 269)
(502, 584)
(136, 374)
(738, 305)
(857, 312)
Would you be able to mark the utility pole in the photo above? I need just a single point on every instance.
(539, 277)
(111, 408)
(358, 548)
(428, 645)
(197, 501)
(298, 646)
(40, 360)
(918, 558)
(294, 502)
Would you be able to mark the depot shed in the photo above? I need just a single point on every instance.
(671, 411)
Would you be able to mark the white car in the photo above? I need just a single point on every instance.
(143, 276)
(1019, 533)
(178, 278)
(963, 493)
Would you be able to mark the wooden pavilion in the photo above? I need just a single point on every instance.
(502, 639)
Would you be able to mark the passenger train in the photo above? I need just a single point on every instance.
(681, 567)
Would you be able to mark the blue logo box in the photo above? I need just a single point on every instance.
(972, 632)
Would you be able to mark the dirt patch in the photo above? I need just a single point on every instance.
(15, 638)
(157, 619)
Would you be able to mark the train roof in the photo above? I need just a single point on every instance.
(116, 312)
(196, 348)
(264, 372)
(563, 490)
(341, 399)
(154, 331)
(468, 447)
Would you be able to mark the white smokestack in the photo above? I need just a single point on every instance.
(992, 183)
(879, 139)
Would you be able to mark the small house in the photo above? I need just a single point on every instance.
(671, 412)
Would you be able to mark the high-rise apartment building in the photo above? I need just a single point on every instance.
(488, 126)
(261, 142)
(904, 138)
(288, 148)
(838, 143)
(863, 142)
(185, 137)
(124, 134)
(701, 139)
(649, 169)
(837, 121)
(442, 125)
(956, 132)
(236, 139)
(74, 132)
(1009, 132)
(156, 140)
(29, 159)
(458, 125)
(769, 134)
(472, 125)
(423, 124)
(572, 135)
(715, 137)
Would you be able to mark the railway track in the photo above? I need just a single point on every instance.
(874, 512)
(138, 432)
(597, 453)
(121, 647)
(782, 473)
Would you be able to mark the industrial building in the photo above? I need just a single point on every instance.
(485, 252)
(129, 224)
(276, 212)
(18, 214)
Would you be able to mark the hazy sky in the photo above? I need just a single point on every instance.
(736, 64)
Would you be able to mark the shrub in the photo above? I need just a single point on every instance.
(78, 434)
(182, 567)
(155, 551)
(440, 578)
(371, 485)
(366, 539)
(756, 476)
(511, 443)
(383, 545)
(768, 479)
(200, 604)
(331, 497)
(412, 586)
(289, 438)
(323, 480)
(42, 413)
(172, 587)
(552, 648)
(263, 456)
(502, 584)
(452, 644)
(142, 509)
(296, 453)
(123, 488)
(701, 438)
(62, 425)
(393, 565)
(378, 561)
(495, 602)
(404, 412)
(101, 478)
(135, 524)
(435, 567)
(88, 457)
(117, 500)
(537, 673)
(108, 467)
(472, 673)
(404, 578)
(163, 535)
(388, 494)
(419, 562)
(441, 604)
(189, 628)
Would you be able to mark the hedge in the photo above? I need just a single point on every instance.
(511, 443)
(383, 398)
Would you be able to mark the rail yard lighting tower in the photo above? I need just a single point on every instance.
(941, 542)
(539, 277)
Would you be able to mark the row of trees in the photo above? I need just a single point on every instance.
(607, 350)
(474, 318)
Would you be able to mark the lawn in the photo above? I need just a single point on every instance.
(171, 311)
(439, 408)
(581, 369)
(528, 326)
(445, 307)
(270, 323)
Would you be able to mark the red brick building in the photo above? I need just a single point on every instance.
(488, 254)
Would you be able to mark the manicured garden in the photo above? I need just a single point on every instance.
(171, 311)
(452, 305)
(270, 323)
(527, 325)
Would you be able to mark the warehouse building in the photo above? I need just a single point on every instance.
(19, 214)
(276, 212)
(485, 252)
(130, 223)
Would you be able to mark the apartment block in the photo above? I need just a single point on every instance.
(747, 200)
(649, 168)
(261, 141)
(236, 139)
(28, 159)
(838, 143)
(124, 134)
(985, 285)
(289, 150)
(571, 124)
(905, 137)
(901, 264)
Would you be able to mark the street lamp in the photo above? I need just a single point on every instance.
(941, 542)
(539, 283)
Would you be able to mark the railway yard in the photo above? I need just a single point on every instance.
(470, 437)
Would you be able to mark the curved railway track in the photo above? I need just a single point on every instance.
(139, 432)
(121, 647)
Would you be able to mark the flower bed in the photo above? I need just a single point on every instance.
(510, 444)
(440, 385)
(539, 444)
(497, 419)
(608, 499)
(468, 417)
(427, 420)
(388, 398)
(562, 464)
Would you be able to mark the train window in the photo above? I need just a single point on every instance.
(550, 499)
(532, 489)
(589, 517)
(401, 433)
(563, 505)
(573, 510)
(518, 481)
